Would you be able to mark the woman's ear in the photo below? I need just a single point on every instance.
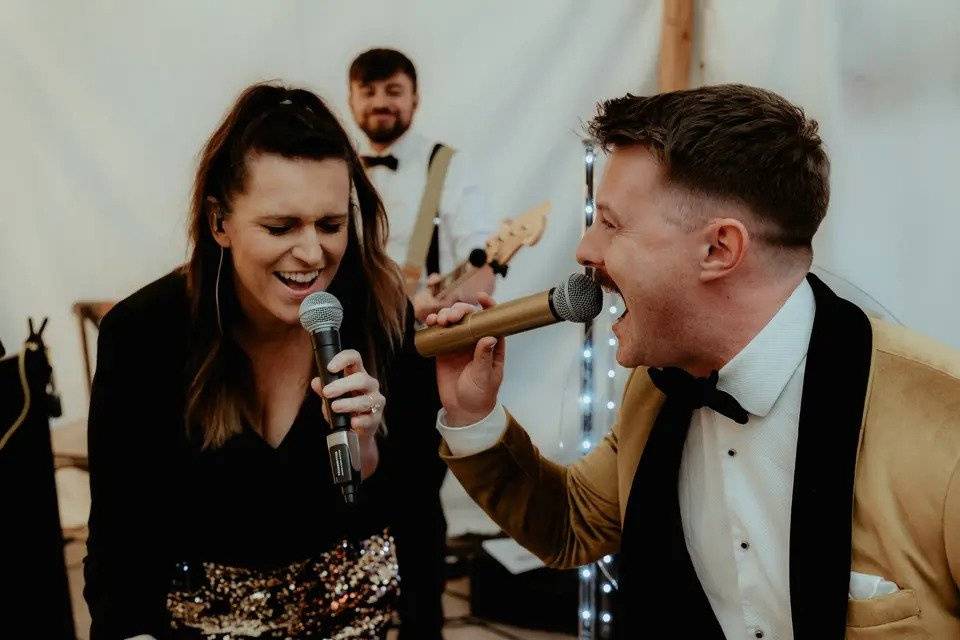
(356, 215)
(216, 219)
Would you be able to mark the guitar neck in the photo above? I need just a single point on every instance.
(451, 279)
(511, 236)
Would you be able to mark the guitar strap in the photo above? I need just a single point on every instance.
(424, 230)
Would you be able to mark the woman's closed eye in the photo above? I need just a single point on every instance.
(330, 225)
(277, 230)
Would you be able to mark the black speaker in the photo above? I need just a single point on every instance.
(36, 600)
(543, 599)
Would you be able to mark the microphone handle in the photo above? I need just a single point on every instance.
(342, 444)
(509, 318)
(326, 344)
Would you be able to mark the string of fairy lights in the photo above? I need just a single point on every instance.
(600, 386)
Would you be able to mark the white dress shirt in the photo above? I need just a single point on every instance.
(736, 481)
(464, 217)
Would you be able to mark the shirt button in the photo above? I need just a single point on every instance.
(758, 634)
(746, 545)
(731, 452)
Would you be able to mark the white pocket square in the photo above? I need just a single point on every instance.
(864, 586)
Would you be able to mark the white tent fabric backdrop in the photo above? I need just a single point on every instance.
(107, 104)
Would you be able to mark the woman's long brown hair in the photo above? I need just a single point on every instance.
(293, 123)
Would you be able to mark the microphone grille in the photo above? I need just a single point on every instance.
(578, 298)
(320, 310)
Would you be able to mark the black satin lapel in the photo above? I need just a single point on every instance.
(831, 413)
(656, 573)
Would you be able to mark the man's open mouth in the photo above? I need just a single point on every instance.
(610, 287)
(623, 306)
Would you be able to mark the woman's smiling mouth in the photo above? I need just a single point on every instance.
(298, 281)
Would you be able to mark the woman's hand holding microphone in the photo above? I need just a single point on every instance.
(356, 394)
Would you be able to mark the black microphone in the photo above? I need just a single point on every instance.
(321, 315)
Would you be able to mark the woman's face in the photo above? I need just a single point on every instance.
(287, 233)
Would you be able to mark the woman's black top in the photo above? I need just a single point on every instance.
(172, 524)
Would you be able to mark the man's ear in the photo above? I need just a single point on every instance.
(352, 89)
(725, 244)
(216, 218)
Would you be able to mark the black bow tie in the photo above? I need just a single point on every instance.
(390, 161)
(694, 393)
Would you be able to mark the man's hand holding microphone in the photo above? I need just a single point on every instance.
(468, 378)
(469, 342)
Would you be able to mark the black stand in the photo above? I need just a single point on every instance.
(36, 601)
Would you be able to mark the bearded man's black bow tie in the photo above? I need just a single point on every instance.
(390, 161)
(694, 393)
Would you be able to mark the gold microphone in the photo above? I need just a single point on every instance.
(577, 299)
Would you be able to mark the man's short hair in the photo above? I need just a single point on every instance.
(380, 64)
(733, 143)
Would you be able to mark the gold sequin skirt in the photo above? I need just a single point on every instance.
(348, 592)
